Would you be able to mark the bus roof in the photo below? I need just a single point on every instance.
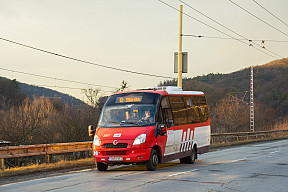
(167, 90)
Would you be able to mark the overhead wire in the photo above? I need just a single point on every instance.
(227, 38)
(65, 87)
(215, 28)
(250, 41)
(54, 78)
(83, 61)
(270, 13)
(258, 18)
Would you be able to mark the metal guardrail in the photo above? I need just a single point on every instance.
(218, 138)
(42, 149)
(48, 149)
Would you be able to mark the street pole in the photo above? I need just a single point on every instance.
(252, 129)
(180, 50)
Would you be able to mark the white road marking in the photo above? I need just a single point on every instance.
(180, 173)
(239, 160)
(274, 152)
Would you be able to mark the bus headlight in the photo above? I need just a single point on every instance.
(96, 141)
(140, 139)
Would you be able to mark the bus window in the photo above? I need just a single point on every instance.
(166, 111)
(165, 103)
(203, 109)
(179, 110)
(192, 110)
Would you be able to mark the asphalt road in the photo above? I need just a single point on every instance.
(254, 167)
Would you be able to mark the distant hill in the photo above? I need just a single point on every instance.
(270, 89)
(12, 89)
(41, 91)
(281, 63)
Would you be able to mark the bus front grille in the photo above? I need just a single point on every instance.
(119, 145)
(114, 152)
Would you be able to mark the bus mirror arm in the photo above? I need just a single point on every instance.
(91, 130)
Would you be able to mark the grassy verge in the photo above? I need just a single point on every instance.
(61, 165)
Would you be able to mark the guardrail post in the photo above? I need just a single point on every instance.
(2, 164)
(47, 157)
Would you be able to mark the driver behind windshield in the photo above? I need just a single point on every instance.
(148, 117)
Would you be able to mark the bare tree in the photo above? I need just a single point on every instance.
(92, 95)
(124, 85)
(230, 115)
(19, 124)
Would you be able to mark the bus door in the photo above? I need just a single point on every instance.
(167, 119)
(181, 130)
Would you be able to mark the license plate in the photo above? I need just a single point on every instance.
(115, 158)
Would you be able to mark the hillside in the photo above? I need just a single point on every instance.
(270, 92)
(12, 90)
(41, 91)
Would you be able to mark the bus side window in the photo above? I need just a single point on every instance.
(191, 109)
(203, 109)
(179, 110)
(160, 119)
(166, 112)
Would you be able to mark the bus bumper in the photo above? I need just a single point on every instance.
(125, 157)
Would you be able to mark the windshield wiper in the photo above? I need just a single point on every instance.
(129, 122)
(114, 123)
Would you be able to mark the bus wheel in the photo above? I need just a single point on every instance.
(152, 163)
(190, 159)
(102, 166)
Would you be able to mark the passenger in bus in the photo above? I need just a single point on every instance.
(148, 117)
(127, 116)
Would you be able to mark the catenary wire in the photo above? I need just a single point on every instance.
(56, 86)
(228, 38)
(258, 18)
(54, 78)
(270, 13)
(227, 28)
(83, 61)
(215, 28)
(65, 87)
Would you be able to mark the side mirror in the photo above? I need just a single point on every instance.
(91, 130)
(162, 130)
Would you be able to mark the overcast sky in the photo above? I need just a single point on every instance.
(132, 35)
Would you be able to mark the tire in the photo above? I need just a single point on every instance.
(151, 164)
(102, 166)
(189, 159)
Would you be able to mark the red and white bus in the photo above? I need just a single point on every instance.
(151, 126)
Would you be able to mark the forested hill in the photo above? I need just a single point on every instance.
(12, 90)
(270, 88)
(41, 91)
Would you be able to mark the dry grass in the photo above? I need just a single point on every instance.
(61, 165)
(281, 125)
(281, 63)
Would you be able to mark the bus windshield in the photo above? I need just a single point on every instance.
(129, 110)
(130, 115)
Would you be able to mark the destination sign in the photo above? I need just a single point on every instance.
(128, 99)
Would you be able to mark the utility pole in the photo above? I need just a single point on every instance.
(180, 50)
(251, 103)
